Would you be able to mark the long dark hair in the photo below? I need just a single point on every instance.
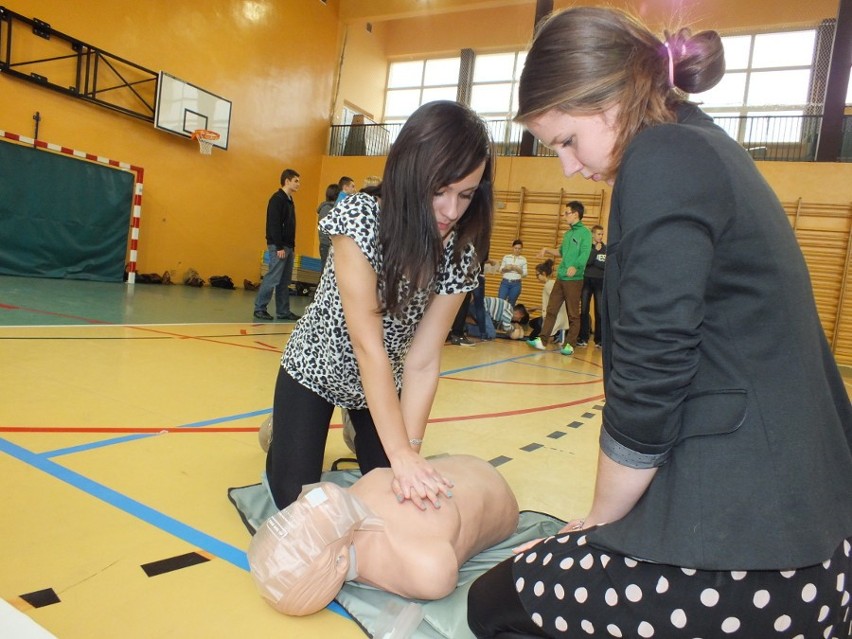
(441, 143)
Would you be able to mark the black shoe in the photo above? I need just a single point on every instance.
(263, 315)
(291, 317)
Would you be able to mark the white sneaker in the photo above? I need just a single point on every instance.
(536, 344)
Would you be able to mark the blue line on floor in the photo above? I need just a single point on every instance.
(178, 529)
(487, 364)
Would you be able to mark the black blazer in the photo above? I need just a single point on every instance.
(716, 366)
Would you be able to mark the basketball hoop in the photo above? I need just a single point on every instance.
(205, 140)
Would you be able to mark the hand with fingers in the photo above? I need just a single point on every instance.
(416, 479)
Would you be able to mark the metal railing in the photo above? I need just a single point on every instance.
(782, 138)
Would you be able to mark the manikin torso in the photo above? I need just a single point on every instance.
(419, 552)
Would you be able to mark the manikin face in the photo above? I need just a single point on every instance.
(583, 143)
(451, 201)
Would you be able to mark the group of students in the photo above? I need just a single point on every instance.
(722, 503)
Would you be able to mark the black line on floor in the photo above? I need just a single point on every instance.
(557, 434)
(574, 425)
(174, 563)
(531, 447)
(41, 598)
(498, 461)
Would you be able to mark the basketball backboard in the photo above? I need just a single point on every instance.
(182, 108)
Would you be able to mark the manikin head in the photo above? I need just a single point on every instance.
(301, 556)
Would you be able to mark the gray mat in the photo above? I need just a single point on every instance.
(376, 611)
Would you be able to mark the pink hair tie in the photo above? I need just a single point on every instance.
(671, 65)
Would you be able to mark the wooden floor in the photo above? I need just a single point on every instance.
(128, 411)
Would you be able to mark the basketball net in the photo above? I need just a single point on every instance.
(205, 140)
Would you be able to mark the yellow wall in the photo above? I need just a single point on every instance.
(511, 26)
(277, 67)
(278, 62)
(363, 71)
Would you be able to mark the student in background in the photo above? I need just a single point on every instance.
(514, 269)
(593, 290)
(331, 193)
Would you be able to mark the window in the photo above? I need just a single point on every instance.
(494, 92)
(412, 83)
(769, 77)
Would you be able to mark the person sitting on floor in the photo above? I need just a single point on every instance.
(301, 557)
(501, 320)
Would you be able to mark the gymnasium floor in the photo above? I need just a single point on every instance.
(128, 411)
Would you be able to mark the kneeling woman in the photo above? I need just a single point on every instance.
(395, 278)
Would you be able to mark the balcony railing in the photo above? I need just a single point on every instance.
(784, 138)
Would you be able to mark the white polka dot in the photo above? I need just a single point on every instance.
(646, 630)
(587, 562)
(561, 624)
(761, 598)
(809, 593)
(611, 597)
(566, 563)
(799, 637)
(532, 557)
(633, 593)
(604, 560)
(538, 589)
(559, 591)
(710, 597)
(738, 575)
(587, 627)
(662, 585)
(630, 562)
(782, 623)
(688, 571)
(730, 625)
(581, 541)
(518, 557)
(787, 573)
(826, 564)
(547, 559)
(847, 547)
(827, 633)
(581, 594)
(678, 618)
(613, 630)
(564, 540)
(536, 619)
(841, 582)
(823, 614)
(845, 600)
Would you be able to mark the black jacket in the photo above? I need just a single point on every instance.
(716, 367)
(281, 221)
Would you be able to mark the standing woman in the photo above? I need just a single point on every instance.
(331, 193)
(722, 505)
(371, 340)
(514, 270)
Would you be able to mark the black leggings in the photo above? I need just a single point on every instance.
(494, 610)
(300, 421)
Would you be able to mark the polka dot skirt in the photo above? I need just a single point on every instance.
(571, 589)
